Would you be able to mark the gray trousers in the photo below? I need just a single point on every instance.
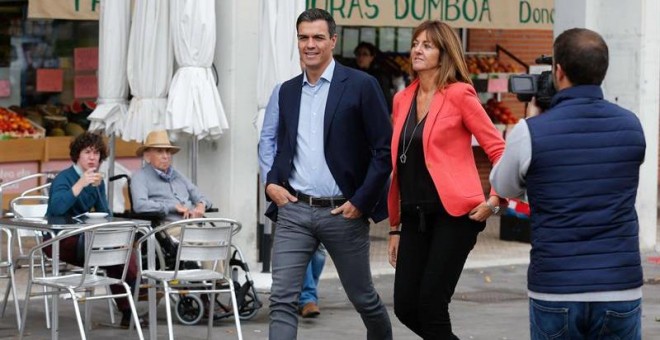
(298, 232)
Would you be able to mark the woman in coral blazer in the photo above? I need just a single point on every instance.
(436, 201)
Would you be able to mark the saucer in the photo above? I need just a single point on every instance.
(96, 215)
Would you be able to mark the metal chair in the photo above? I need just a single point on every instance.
(44, 177)
(23, 207)
(201, 239)
(8, 266)
(106, 244)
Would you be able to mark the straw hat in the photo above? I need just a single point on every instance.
(157, 140)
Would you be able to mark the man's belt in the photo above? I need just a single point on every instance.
(322, 202)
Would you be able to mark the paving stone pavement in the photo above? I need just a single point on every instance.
(490, 302)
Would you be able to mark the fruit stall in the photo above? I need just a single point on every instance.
(27, 148)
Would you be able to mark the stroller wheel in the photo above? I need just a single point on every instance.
(189, 309)
(250, 304)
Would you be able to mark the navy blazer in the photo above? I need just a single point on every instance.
(357, 133)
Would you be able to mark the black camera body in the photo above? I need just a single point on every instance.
(528, 86)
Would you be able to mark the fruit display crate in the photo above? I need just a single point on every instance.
(13, 126)
(51, 148)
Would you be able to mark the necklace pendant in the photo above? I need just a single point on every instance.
(403, 158)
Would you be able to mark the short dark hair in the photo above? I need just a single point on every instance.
(314, 14)
(85, 140)
(373, 50)
(583, 56)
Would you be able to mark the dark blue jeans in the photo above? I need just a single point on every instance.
(309, 291)
(558, 320)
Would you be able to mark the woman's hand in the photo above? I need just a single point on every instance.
(88, 177)
(483, 211)
(393, 249)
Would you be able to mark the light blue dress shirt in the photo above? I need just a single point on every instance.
(268, 137)
(311, 174)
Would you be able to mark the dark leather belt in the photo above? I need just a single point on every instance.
(321, 202)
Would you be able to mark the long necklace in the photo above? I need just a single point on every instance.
(404, 149)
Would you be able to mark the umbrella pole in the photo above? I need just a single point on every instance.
(193, 159)
(111, 172)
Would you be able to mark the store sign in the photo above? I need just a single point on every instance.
(64, 9)
(489, 14)
(12, 171)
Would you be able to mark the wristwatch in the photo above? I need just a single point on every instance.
(494, 208)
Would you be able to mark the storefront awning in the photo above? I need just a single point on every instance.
(488, 14)
(64, 9)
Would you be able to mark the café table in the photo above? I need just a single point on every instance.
(59, 224)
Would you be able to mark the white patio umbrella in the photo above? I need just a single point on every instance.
(278, 56)
(114, 25)
(278, 61)
(149, 69)
(194, 104)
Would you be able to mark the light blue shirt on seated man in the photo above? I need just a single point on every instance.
(312, 176)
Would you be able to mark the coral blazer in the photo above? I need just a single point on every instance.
(455, 114)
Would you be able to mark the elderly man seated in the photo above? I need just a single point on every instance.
(158, 188)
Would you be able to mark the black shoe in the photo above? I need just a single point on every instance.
(218, 311)
(126, 320)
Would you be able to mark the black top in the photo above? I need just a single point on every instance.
(415, 183)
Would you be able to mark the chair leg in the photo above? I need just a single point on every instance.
(211, 312)
(168, 308)
(237, 316)
(12, 282)
(111, 309)
(136, 318)
(4, 300)
(45, 289)
(25, 309)
(81, 326)
(88, 310)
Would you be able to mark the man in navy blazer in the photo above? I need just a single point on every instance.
(329, 176)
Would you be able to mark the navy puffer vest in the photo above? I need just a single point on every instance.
(582, 183)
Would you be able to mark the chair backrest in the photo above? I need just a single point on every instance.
(110, 244)
(29, 206)
(106, 244)
(127, 192)
(205, 242)
(43, 189)
(43, 177)
(202, 239)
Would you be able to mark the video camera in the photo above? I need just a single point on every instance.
(527, 86)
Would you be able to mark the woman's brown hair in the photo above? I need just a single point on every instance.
(85, 140)
(452, 67)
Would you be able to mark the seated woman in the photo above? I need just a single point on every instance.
(80, 189)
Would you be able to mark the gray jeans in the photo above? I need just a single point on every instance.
(299, 230)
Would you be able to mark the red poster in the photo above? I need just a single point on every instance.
(86, 87)
(86, 58)
(498, 85)
(49, 79)
(5, 88)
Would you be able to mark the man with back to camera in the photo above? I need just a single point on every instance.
(579, 163)
(329, 175)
